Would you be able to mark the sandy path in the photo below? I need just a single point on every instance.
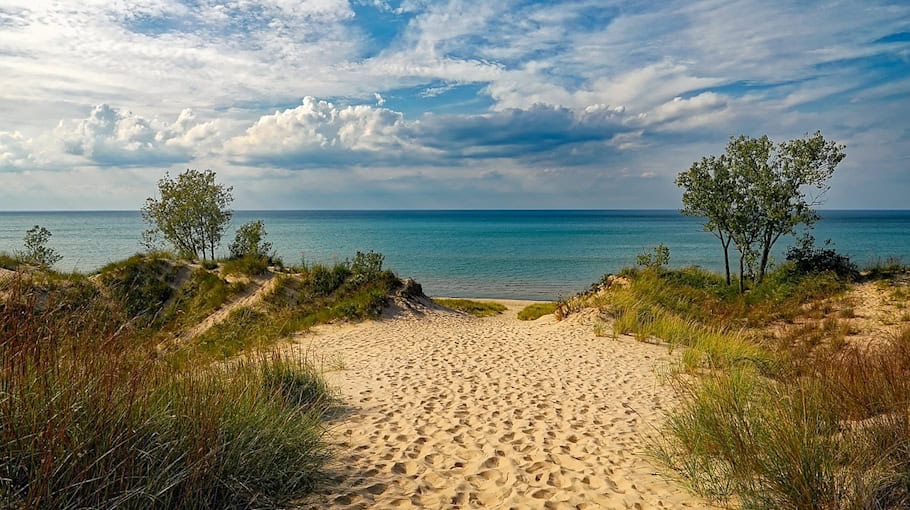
(449, 411)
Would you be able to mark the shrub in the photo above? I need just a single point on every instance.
(250, 241)
(807, 258)
(536, 311)
(655, 258)
(36, 250)
(368, 264)
(324, 280)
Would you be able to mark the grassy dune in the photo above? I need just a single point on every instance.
(779, 407)
(93, 415)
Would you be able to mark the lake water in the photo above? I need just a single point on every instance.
(505, 254)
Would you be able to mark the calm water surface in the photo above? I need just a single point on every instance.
(505, 254)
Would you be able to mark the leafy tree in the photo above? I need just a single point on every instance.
(787, 184)
(757, 192)
(191, 214)
(710, 192)
(249, 240)
(36, 250)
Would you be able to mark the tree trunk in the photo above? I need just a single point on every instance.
(742, 275)
(727, 261)
(765, 252)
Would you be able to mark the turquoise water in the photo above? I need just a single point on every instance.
(505, 254)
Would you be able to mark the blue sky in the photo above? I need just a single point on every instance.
(418, 104)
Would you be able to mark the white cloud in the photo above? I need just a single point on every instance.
(317, 132)
(15, 151)
(110, 136)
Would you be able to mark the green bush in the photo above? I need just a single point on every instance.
(324, 280)
(36, 250)
(655, 258)
(807, 258)
(368, 264)
(250, 241)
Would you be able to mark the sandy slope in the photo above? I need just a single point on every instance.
(450, 411)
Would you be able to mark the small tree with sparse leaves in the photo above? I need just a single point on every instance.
(36, 250)
(655, 258)
(249, 240)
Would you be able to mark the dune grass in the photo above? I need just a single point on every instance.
(90, 420)
(92, 415)
(320, 295)
(536, 311)
(8, 261)
(250, 265)
(475, 308)
(803, 419)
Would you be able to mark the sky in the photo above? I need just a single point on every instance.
(413, 104)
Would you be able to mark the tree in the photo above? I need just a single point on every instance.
(710, 193)
(789, 184)
(757, 192)
(249, 240)
(36, 250)
(191, 214)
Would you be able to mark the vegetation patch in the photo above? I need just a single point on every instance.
(320, 295)
(475, 308)
(90, 420)
(536, 311)
(141, 284)
(798, 419)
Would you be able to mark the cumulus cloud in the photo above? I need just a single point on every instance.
(15, 151)
(110, 136)
(318, 133)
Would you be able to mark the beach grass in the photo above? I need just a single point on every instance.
(777, 408)
(475, 308)
(536, 311)
(94, 415)
(90, 420)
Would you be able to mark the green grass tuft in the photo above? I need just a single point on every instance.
(475, 308)
(536, 311)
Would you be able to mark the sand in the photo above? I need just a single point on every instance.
(444, 410)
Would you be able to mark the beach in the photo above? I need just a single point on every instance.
(446, 410)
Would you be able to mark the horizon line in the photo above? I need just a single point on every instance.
(18, 211)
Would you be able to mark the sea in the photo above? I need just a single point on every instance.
(539, 254)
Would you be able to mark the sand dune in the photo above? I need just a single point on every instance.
(451, 411)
